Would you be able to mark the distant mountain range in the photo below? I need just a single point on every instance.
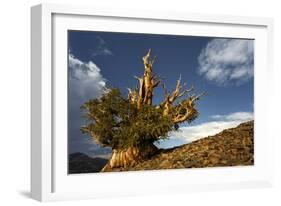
(82, 163)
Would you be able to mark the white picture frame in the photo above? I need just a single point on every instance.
(49, 179)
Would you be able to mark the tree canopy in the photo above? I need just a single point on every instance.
(115, 122)
(121, 122)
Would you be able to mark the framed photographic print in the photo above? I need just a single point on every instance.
(138, 102)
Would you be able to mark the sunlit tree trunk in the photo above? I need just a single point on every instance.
(129, 156)
(143, 95)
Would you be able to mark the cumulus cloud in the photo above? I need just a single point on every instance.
(102, 48)
(218, 123)
(85, 79)
(226, 61)
(85, 82)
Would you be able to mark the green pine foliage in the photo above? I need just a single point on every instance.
(114, 122)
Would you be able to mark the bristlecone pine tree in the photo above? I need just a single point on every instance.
(131, 125)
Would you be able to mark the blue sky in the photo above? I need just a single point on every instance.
(223, 68)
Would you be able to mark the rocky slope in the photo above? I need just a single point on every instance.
(231, 147)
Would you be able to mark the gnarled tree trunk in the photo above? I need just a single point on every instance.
(122, 158)
(132, 155)
(143, 95)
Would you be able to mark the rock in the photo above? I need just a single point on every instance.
(231, 147)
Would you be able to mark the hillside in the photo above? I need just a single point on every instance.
(82, 163)
(231, 147)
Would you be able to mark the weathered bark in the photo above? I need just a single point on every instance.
(146, 83)
(133, 95)
(143, 95)
(129, 157)
(185, 110)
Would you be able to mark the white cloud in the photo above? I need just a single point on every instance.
(237, 116)
(85, 80)
(191, 133)
(227, 60)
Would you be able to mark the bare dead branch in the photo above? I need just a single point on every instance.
(185, 110)
(198, 96)
(138, 77)
(154, 59)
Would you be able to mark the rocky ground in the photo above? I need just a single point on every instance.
(231, 147)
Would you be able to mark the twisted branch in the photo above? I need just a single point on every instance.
(184, 111)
